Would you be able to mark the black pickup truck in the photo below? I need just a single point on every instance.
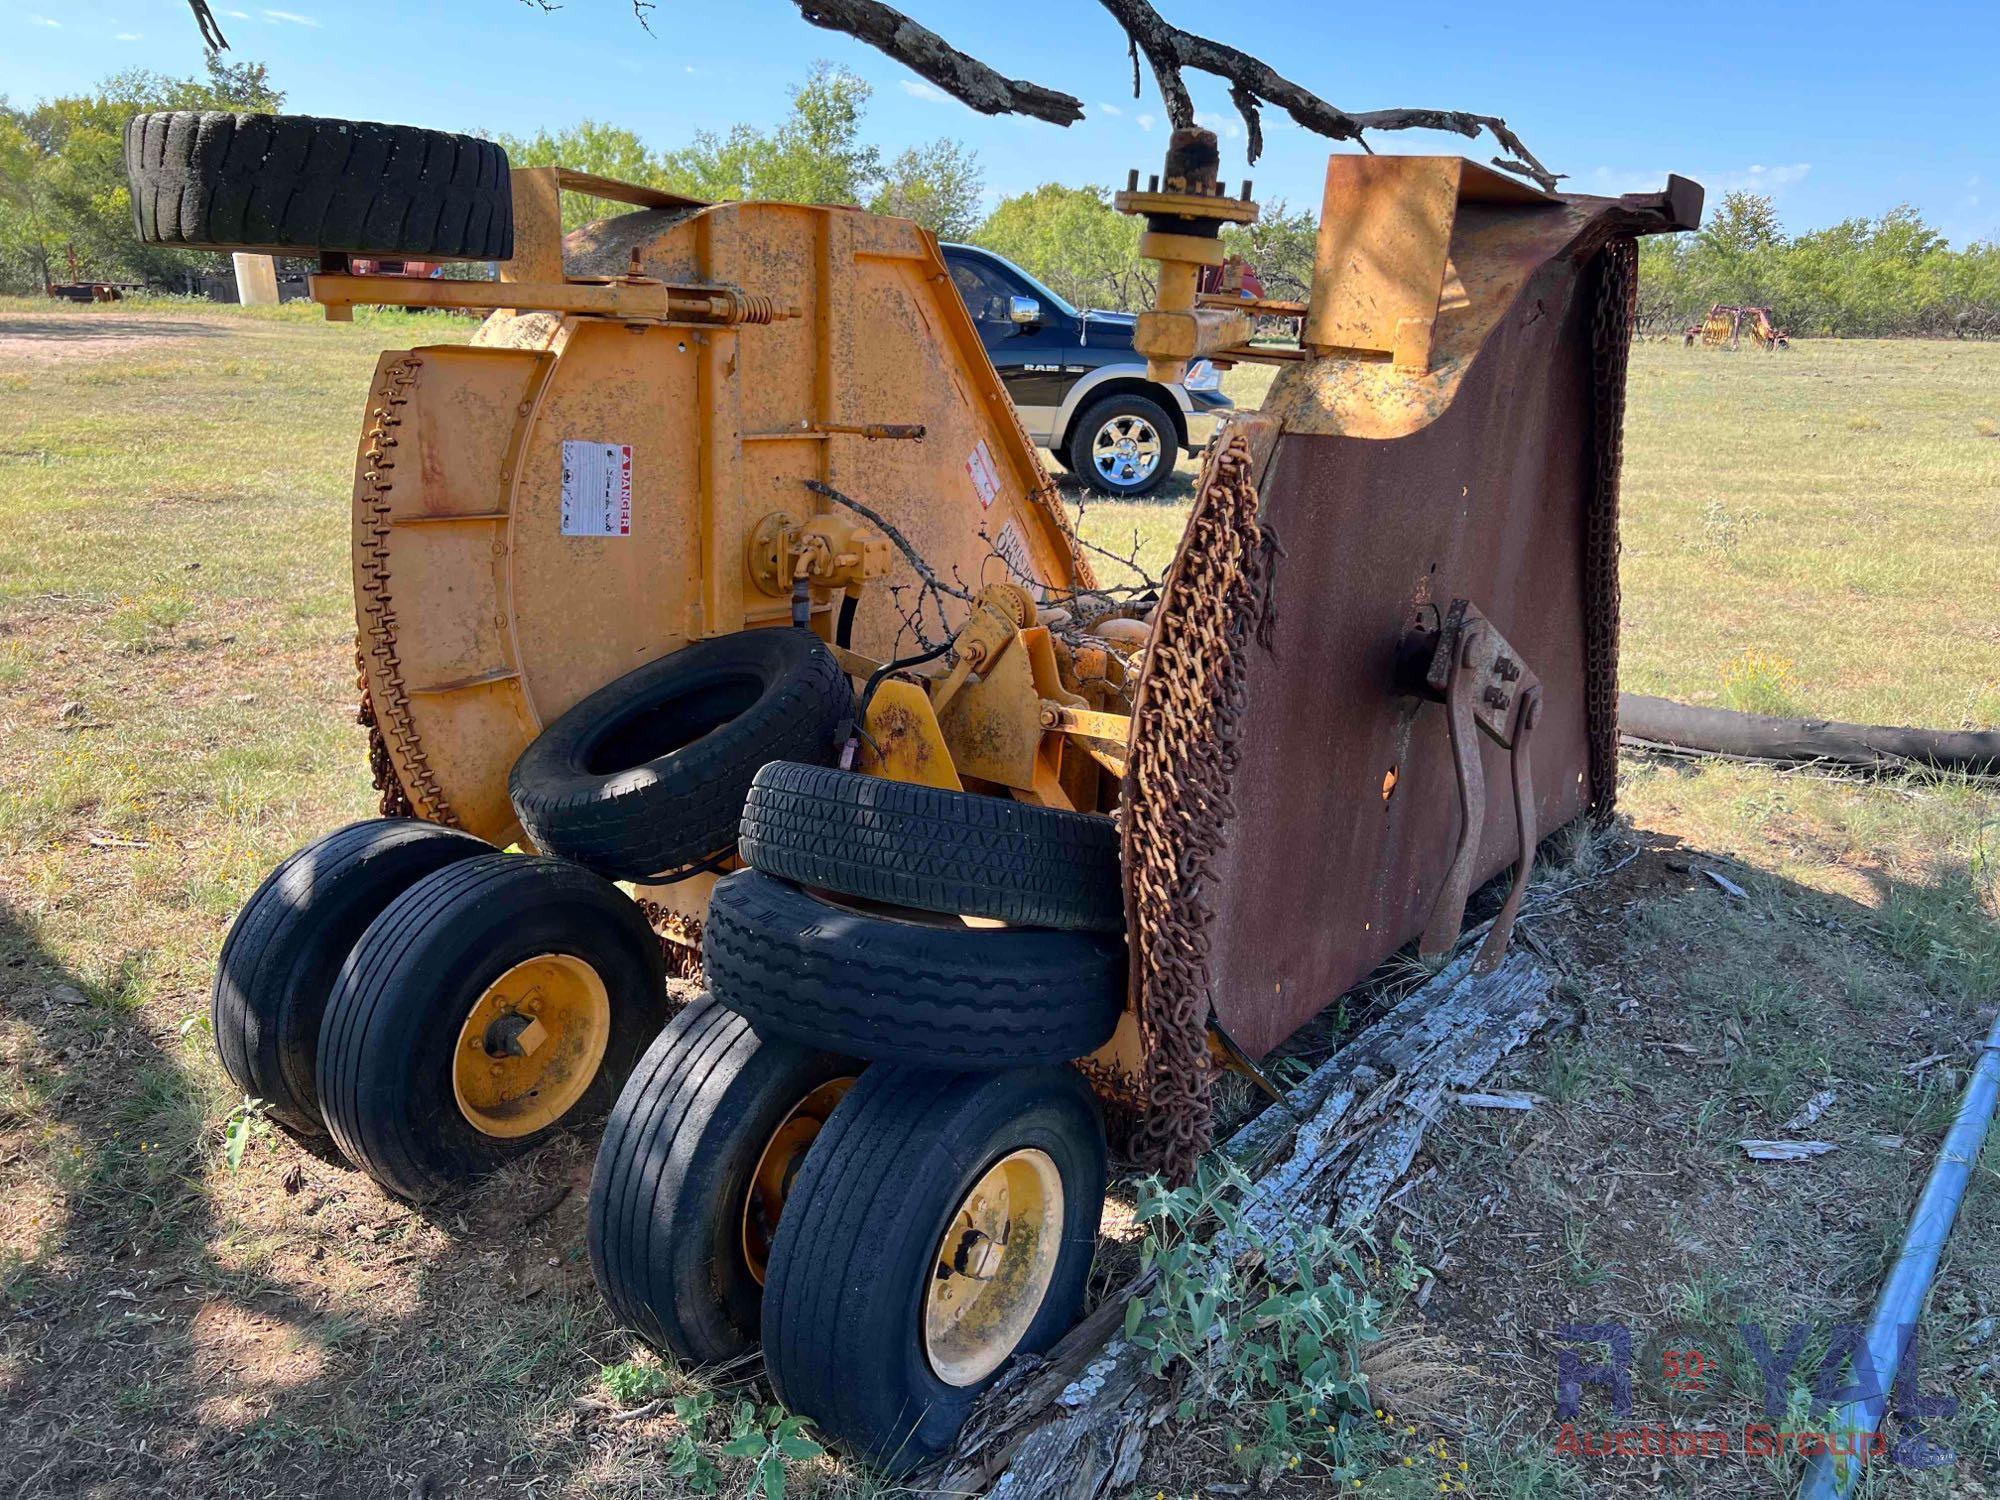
(1082, 391)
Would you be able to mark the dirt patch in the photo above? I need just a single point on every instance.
(56, 339)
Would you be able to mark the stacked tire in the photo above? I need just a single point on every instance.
(927, 963)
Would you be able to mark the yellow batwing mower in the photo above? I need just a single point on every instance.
(717, 573)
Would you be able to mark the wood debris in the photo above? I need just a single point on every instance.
(1074, 1426)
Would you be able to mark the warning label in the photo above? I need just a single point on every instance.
(596, 489)
(985, 473)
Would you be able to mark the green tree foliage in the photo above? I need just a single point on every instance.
(1076, 242)
(816, 154)
(1895, 275)
(1281, 245)
(938, 185)
(62, 176)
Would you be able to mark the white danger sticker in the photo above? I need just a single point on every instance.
(985, 473)
(596, 489)
(1013, 547)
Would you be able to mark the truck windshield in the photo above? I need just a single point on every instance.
(1035, 286)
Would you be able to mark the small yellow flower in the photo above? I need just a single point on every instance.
(1408, 1461)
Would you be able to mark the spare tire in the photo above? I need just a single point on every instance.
(934, 849)
(648, 774)
(921, 990)
(206, 179)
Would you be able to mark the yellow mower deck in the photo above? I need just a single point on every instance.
(579, 492)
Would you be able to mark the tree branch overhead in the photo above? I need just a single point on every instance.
(1168, 50)
(930, 56)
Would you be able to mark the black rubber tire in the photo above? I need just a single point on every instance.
(933, 849)
(386, 1042)
(209, 180)
(922, 992)
(285, 948)
(674, 1172)
(648, 774)
(857, 1247)
(1083, 436)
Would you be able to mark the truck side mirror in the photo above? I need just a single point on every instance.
(1023, 310)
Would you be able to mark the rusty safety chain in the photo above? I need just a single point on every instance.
(1176, 803)
(1610, 352)
(390, 796)
(388, 721)
(680, 940)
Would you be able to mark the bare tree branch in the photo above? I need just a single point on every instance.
(1170, 49)
(211, 31)
(929, 55)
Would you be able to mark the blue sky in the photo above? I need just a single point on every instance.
(1835, 109)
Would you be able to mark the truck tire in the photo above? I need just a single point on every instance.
(285, 948)
(297, 184)
(920, 990)
(691, 1181)
(877, 1277)
(648, 774)
(490, 1004)
(934, 849)
(1124, 446)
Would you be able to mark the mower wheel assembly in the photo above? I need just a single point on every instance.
(286, 946)
(698, 1158)
(934, 849)
(211, 180)
(943, 1223)
(489, 1003)
(909, 988)
(648, 774)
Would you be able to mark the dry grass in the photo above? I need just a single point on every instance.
(175, 715)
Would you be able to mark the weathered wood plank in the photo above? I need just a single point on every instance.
(1074, 1426)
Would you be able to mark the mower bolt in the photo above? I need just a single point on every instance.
(1497, 699)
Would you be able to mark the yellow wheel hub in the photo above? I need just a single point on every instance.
(994, 1267)
(531, 1045)
(783, 1155)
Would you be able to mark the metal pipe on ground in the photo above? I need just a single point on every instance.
(1902, 1301)
(1658, 724)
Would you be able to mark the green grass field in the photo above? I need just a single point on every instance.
(1816, 531)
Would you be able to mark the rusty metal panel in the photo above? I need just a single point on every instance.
(1346, 808)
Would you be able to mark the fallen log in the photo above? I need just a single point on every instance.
(1657, 724)
(1074, 1425)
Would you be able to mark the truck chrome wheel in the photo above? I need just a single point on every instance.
(531, 1045)
(779, 1166)
(994, 1267)
(1126, 450)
